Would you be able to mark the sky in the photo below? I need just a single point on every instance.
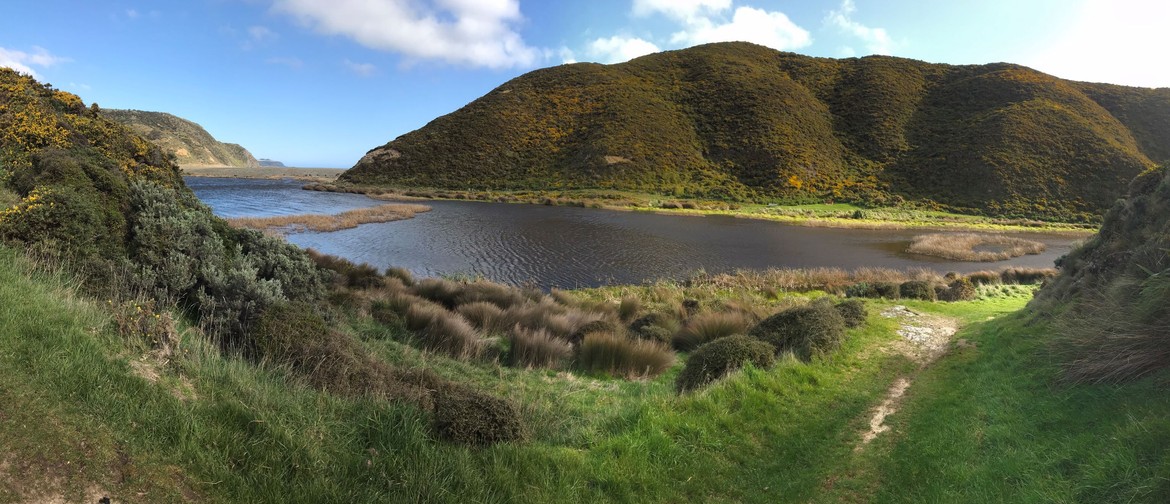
(317, 83)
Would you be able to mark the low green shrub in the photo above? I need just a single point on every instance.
(806, 331)
(655, 327)
(618, 355)
(719, 358)
(853, 312)
(709, 326)
(917, 289)
(537, 349)
(466, 416)
(961, 289)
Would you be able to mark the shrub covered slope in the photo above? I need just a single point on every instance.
(191, 144)
(739, 121)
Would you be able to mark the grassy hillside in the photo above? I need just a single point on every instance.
(742, 122)
(190, 143)
(151, 353)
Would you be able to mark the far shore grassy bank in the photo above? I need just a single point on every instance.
(264, 172)
(837, 215)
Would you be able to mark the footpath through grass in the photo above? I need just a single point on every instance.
(85, 413)
(990, 422)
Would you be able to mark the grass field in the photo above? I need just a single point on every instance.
(86, 413)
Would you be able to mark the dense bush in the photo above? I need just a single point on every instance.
(719, 358)
(853, 312)
(618, 355)
(596, 326)
(959, 290)
(873, 290)
(806, 331)
(710, 326)
(466, 416)
(917, 289)
(655, 327)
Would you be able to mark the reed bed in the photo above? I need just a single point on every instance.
(962, 246)
(325, 223)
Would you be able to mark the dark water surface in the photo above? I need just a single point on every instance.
(571, 247)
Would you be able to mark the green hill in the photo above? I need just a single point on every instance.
(740, 121)
(191, 144)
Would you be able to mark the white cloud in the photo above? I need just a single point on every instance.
(1114, 41)
(772, 29)
(477, 33)
(618, 49)
(876, 40)
(362, 69)
(132, 14)
(683, 10)
(23, 62)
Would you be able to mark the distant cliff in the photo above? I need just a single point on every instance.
(740, 121)
(271, 163)
(191, 144)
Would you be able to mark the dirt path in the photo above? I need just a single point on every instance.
(924, 338)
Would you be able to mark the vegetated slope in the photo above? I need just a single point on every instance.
(191, 144)
(740, 121)
(1112, 298)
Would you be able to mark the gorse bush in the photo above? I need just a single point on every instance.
(655, 327)
(719, 358)
(806, 331)
(710, 326)
(463, 415)
(961, 289)
(917, 289)
(853, 312)
(618, 355)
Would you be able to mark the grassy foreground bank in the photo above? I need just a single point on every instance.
(86, 412)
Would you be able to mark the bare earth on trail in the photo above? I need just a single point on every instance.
(924, 338)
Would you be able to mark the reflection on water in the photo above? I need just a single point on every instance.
(569, 247)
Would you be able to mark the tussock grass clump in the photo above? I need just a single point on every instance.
(965, 246)
(853, 312)
(326, 223)
(452, 335)
(710, 326)
(618, 355)
(439, 290)
(806, 331)
(600, 325)
(483, 315)
(402, 274)
(985, 277)
(629, 308)
(537, 349)
(917, 289)
(721, 357)
(466, 416)
(420, 313)
(502, 296)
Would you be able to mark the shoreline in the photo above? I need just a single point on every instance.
(842, 216)
(320, 175)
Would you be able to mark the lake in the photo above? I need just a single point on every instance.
(578, 247)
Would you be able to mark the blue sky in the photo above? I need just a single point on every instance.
(320, 82)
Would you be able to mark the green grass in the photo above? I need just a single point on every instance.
(988, 423)
(983, 424)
